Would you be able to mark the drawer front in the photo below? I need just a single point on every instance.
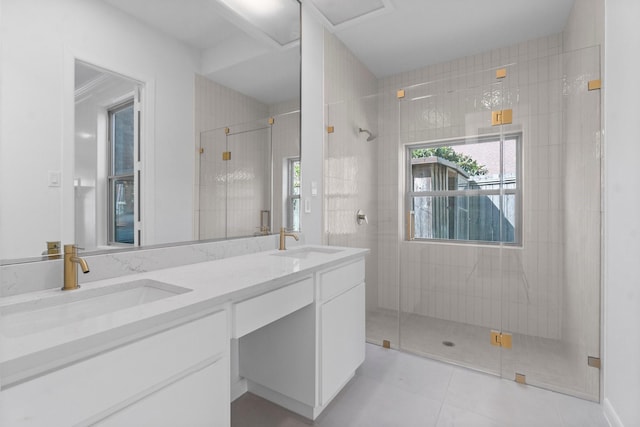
(198, 400)
(104, 383)
(336, 281)
(259, 311)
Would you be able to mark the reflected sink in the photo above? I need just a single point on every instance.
(307, 252)
(68, 307)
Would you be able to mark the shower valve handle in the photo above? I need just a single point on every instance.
(360, 217)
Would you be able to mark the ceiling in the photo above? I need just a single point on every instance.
(388, 36)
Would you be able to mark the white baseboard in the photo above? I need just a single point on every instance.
(610, 414)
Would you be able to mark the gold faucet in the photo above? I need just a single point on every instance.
(283, 235)
(71, 258)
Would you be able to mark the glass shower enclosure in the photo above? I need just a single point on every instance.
(484, 211)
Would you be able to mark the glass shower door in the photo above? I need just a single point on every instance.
(551, 294)
(455, 222)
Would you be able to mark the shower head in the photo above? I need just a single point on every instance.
(370, 137)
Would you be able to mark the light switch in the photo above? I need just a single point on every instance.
(54, 178)
(307, 206)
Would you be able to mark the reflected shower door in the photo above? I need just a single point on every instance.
(248, 181)
(235, 181)
(213, 185)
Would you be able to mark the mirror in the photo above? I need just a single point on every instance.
(190, 67)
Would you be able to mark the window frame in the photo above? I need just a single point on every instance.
(517, 191)
(291, 196)
(112, 178)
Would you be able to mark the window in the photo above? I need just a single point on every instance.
(120, 179)
(467, 190)
(293, 196)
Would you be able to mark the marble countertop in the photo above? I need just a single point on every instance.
(211, 284)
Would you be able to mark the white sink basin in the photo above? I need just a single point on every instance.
(68, 307)
(306, 252)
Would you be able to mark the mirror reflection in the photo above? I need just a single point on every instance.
(106, 107)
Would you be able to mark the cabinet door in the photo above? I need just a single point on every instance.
(343, 340)
(199, 399)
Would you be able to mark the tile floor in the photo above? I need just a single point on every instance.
(398, 389)
(547, 363)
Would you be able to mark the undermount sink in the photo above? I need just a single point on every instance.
(68, 307)
(307, 252)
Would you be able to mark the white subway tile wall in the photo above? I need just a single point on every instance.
(350, 175)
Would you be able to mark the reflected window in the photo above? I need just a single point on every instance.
(293, 196)
(467, 190)
(120, 178)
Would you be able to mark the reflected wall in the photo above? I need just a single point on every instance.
(40, 40)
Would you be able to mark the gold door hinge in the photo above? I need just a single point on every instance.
(330, 129)
(521, 378)
(501, 117)
(386, 344)
(501, 339)
(594, 362)
(226, 155)
(400, 94)
(594, 84)
(227, 130)
(271, 120)
(201, 150)
(501, 73)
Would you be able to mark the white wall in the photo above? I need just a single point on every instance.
(622, 203)
(312, 126)
(40, 40)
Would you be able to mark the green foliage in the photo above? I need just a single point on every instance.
(465, 162)
(296, 177)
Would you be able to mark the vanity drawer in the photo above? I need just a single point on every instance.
(336, 281)
(88, 391)
(259, 311)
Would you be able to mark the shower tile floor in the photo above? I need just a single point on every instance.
(546, 363)
(394, 389)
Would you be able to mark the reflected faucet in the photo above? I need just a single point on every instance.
(283, 236)
(71, 262)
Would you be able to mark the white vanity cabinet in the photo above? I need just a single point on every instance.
(289, 364)
(288, 327)
(342, 326)
(178, 376)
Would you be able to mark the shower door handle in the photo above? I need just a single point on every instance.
(411, 220)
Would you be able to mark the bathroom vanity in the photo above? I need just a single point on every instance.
(167, 347)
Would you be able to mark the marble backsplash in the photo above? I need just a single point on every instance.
(37, 276)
